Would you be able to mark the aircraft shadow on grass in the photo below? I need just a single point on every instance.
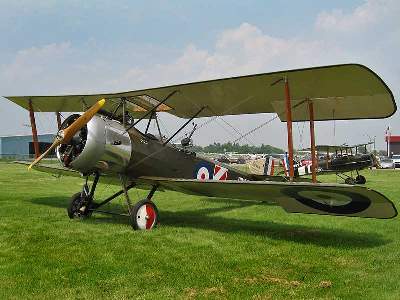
(201, 218)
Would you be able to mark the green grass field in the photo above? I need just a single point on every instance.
(203, 247)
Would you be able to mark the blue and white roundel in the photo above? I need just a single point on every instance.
(204, 171)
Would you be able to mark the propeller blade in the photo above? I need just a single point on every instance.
(71, 130)
(54, 145)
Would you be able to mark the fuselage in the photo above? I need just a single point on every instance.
(105, 146)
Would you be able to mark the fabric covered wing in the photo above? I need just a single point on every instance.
(338, 92)
(59, 171)
(324, 199)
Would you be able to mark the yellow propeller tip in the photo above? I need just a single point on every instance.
(102, 102)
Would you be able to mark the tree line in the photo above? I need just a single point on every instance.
(235, 147)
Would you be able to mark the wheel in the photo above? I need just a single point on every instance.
(349, 180)
(144, 215)
(360, 179)
(78, 207)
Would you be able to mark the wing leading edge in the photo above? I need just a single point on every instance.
(322, 199)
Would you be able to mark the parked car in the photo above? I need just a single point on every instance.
(386, 163)
(396, 160)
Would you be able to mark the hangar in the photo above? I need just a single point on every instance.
(18, 146)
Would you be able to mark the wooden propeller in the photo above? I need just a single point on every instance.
(65, 135)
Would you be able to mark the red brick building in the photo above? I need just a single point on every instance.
(393, 143)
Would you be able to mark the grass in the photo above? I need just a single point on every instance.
(203, 247)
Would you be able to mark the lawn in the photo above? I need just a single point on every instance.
(203, 247)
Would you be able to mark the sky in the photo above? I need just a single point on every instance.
(68, 47)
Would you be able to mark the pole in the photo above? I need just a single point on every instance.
(58, 120)
(289, 128)
(34, 131)
(312, 135)
(327, 158)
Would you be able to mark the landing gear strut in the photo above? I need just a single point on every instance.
(143, 215)
(80, 203)
(360, 179)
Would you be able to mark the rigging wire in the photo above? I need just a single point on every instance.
(268, 121)
(219, 116)
(224, 113)
(215, 117)
(255, 129)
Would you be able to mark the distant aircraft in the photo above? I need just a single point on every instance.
(344, 160)
(104, 143)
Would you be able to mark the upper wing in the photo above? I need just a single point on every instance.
(325, 199)
(338, 92)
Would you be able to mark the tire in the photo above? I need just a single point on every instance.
(349, 180)
(360, 179)
(75, 206)
(144, 215)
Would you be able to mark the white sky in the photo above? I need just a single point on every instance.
(52, 48)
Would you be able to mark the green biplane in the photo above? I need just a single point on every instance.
(104, 143)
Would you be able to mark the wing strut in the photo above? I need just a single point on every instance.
(289, 128)
(34, 130)
(288, 109)
(312, 137)
(58, 116)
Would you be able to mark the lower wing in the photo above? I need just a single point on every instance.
(296, 197)
(322, 199)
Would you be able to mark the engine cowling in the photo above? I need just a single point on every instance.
(100, 145)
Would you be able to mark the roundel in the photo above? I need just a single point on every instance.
(203, 171)
(330, 201)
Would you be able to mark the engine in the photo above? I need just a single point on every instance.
(100, 145)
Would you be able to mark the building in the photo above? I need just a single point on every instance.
(18, 146)
(393, 144)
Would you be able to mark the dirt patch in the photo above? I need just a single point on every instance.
(271, 279)
(262, 297)
(190, 293)
(214, 291)
(325, 284)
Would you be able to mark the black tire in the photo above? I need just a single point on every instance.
(349, 180)
(75, 205)
(361, 179)
(150, 215)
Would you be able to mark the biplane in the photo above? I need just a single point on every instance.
(104, 143)
(341, 160)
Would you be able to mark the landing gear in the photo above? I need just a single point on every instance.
(79, 207)
(143, 215)
(360, 179)
(80, 203)
(350, 180)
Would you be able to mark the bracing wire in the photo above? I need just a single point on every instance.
(255, 129)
